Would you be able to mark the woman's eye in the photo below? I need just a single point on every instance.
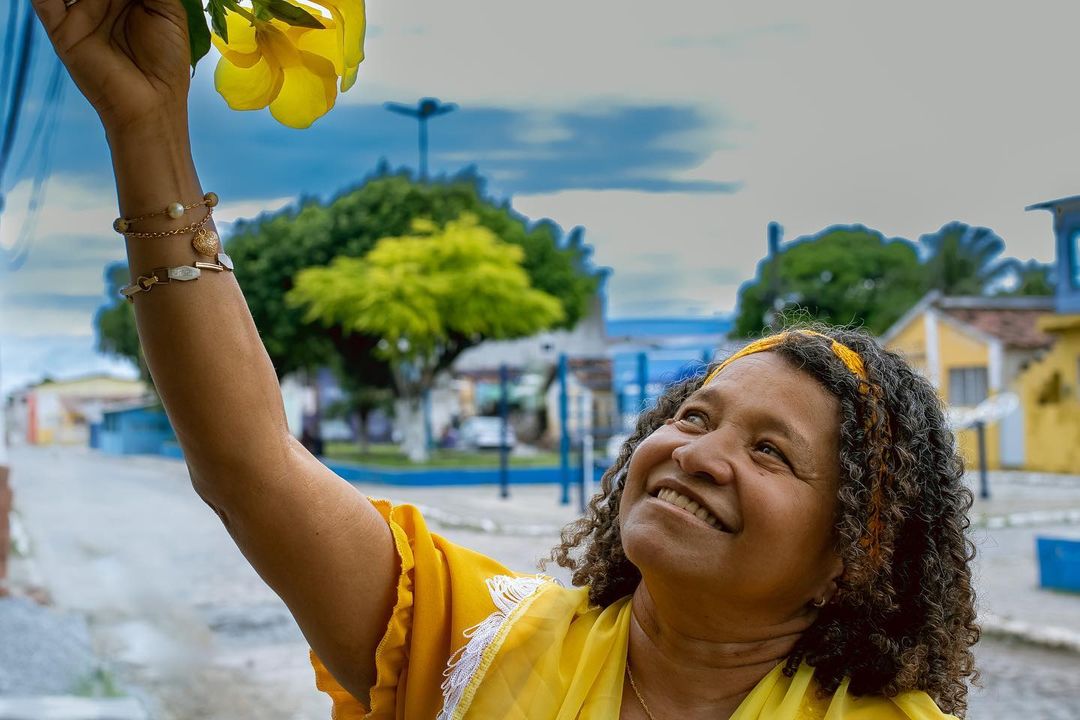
(693, 418)
(770, 449)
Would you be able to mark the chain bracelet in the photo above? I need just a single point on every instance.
(175, 231)
(174, 210)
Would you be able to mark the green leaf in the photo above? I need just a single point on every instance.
(292, 14)
(198, 31)
(216, 8)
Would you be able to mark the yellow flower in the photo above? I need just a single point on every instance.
(351, 22)
(293, 70)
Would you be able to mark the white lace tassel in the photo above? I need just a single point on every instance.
(507, 593)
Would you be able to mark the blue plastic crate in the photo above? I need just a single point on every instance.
(1059, 563)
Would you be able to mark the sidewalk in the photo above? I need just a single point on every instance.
(48, 667)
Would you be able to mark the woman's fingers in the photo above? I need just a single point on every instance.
(51, 13)
(67, 26)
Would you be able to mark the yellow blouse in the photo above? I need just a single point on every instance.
(470, 640)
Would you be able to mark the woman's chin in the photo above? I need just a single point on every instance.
(660, 550)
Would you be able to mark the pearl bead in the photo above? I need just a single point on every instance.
(211, 199)
(121, 225)
(175, 210)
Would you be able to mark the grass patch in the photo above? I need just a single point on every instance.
(98, 684)
(390, 456)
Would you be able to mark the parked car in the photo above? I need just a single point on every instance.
(484, 432)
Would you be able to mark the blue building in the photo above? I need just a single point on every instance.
(650, 353)
(140, 429)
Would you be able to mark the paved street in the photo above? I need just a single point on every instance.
(192, 631)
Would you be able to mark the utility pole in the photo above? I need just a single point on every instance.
(425, 108)
(776, 231)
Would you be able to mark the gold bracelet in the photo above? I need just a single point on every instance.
(182, 273)
(205, 241)
(175, 231)
(174, 210)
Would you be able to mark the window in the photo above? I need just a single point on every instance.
(967, 386)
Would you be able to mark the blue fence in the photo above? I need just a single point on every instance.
(142, 431)
(452, 476)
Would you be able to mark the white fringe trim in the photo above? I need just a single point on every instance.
(507, 593)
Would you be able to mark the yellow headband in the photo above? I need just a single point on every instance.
(851, 359)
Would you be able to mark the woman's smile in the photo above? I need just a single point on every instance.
(670, 499)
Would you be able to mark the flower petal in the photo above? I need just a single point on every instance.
(241, 35)
(351, 21)
(323, 43)
(248, 88)
(308, 92)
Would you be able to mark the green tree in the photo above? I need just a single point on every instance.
(963, 259)
(358, 405)
(270, 250)
(417, 293)
(115, 323)
(845, 274)
(1031, 278)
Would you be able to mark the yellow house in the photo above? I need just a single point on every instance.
(61, 411)
(972, 348)
(1049, 387)
(1048, 393)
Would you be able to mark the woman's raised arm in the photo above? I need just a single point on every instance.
(314, 539)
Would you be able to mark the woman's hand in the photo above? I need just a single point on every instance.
(130, 58)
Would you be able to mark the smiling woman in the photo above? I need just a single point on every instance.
(782, 538)
(839, 566)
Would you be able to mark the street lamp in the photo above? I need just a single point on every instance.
(425, 108)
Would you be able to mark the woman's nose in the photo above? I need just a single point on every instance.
(703, 457)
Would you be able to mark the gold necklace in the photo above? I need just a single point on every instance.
(641, 700)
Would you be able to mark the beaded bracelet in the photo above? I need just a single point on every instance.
(174, 210)
(182, 273)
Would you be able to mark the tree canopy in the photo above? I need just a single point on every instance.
(271, 250)
(851, 274)
(963, 259)
(115, 323)
(1031, 278)
(419, 292)
(846, 274)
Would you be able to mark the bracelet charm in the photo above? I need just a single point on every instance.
(205, 242)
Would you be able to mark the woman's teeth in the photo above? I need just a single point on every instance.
(680, 500)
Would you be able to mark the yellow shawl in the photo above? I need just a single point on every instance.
(470, 640)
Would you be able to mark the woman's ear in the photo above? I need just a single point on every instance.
(828, 590)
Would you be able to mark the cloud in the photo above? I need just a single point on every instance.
(672, 253)
(902, 116)
(27, 360)
(559, 53)
(61, 285)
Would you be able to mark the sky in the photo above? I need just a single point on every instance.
(672, 132)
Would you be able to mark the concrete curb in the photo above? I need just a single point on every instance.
(994, 625)
(445, 520)
(60, 707)
(442, 519)
(1057, 638)
(1031, 518)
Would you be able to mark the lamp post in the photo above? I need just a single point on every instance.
(425, 108)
